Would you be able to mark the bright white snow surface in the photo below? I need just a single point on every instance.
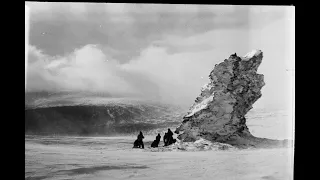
(250, 54)
(113, 158)
(275, 124)
(204, 103)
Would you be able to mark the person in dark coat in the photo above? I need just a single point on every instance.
(155, 143)
(170, 133)
(165, 139)
(158, 137)
(140, 138)
(139, 142)
(170, 139)
(136, 144)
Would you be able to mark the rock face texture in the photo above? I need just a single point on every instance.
(218, 114)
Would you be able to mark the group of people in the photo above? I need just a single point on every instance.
(167, 139)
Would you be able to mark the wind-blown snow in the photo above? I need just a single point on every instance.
(201, 105)
(204, 103)
(249, 55)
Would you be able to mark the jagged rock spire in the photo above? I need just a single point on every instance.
(218, 114)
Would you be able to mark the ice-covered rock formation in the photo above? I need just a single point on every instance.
(218, 114)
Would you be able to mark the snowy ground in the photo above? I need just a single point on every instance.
(276, 124)
(113, 158)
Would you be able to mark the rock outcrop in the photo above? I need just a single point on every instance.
(218, 114)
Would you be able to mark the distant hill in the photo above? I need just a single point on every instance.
(82, 113)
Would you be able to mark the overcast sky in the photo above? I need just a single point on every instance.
(157, 51)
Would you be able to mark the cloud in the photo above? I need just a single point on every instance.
(180, 71)
(26, 40)
(59, 28)
(154, 75)
(85, 69)
(160, 63)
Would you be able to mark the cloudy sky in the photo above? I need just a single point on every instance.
(162, 51)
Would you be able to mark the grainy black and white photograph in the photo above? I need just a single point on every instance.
(136, 91)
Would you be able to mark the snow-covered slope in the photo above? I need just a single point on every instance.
(91, 114)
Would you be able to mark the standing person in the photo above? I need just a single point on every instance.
(170, 133)
(158, 137)
(165, 139)
(169, 138)
(140, 137)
